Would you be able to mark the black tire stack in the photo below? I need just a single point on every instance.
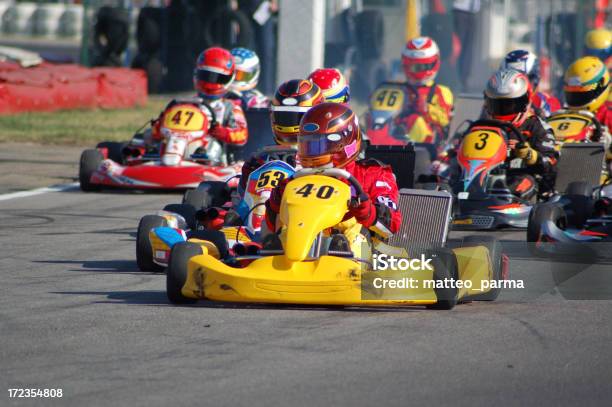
(149, 40)
(110, 36)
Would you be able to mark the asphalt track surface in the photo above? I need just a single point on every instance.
(76, 314)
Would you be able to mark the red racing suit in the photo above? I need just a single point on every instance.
(231, 125)
(604, 115)
(544, 104)
(380, 213)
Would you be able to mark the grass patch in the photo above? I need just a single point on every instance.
(78, 127)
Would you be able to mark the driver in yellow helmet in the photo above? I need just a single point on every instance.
(586, 86)
(598, 43)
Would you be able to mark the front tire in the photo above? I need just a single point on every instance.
(144, 251)
(445, 266)
(88, 164)
(176, 275)
(542, 213)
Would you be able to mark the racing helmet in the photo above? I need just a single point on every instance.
(247, 69)
(329, 136)
(598, 43)
(586, 84)
(334, 86)
(421, 60)
(507, 96)
(292, 99)
(214, 73)
(524, 61)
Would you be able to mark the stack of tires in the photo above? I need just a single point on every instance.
(357, 50)
(110, 36)
(149, 40)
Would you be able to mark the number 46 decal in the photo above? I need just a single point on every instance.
(324, 191)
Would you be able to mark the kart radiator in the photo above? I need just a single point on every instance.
(580, 162)
(400, 158)
(425, 219)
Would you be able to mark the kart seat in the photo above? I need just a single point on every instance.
(580, 162)
(400, 158)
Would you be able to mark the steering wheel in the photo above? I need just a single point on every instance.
(336, 173)
(509, 127)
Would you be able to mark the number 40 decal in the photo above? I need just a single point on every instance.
(324, 191)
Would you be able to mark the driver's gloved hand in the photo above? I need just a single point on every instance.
(247, 168)
(363, 211)
(524, 151)
(274, 202)
(221, 133)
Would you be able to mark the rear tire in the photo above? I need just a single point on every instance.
(144, 251)
(217, 193)
(89, 163)
(176, 275)
(115, 150)
(187, 211)
(445, 266)
(495, 253)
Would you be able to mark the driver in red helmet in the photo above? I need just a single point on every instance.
(212, 77)
(330, 137)
(432, 101)
(333, 84)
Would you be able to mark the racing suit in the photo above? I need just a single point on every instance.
(250, 99)
(379, 214)
(433, 102)
(231, 125)
(541, 139)
(544, 104)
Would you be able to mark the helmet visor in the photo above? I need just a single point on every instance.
(213, 77)
(583, 98)
(313, 145)
(416, 68)
(505, 107)
(287, 119)
(244, 76)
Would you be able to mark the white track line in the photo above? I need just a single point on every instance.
(39, 191)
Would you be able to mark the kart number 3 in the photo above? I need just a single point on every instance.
(323, 192)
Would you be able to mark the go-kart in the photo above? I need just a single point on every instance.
(484, 200)
(386, 104)
(569, 224)
(306, 268)
(570, 126)
(185, 157)
(201, 216)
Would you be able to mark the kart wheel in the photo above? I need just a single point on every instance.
(542, 213)
(176, 275)
(144, 251)
(115, 150)
(187, 211)
(495, 253)
(89, 163)
(216, 237)
(210, 193)
(580, 188)
(580, 195)
(445, 266)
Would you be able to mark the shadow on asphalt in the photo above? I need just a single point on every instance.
(113, 266)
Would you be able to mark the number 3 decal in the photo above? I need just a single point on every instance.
(483, 141)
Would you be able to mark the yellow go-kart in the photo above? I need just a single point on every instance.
(307, 271)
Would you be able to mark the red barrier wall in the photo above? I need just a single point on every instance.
(50, 87)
